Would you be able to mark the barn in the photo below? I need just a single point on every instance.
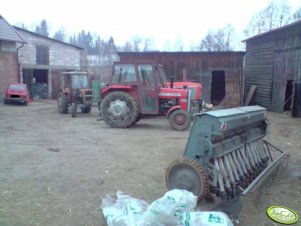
(273, 68)
(220, 73)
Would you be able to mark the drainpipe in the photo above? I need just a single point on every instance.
(19, 64)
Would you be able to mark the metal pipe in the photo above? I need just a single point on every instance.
(228, 168)
(220, 178)
(241, 162)
(245, 159)
(237, 165)
(233, 167)
(249, 154)
(19, 64)
(222, 168)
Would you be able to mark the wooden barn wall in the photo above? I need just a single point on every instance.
(270, 61)
(233, 87)
(198, 67)
(259, 70)
(194, 62)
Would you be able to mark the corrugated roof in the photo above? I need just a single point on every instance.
(8, 33)
(296, 23)
(45, 37)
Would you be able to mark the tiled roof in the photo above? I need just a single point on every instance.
(8, 33)
(45, 37)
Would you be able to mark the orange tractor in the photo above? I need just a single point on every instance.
(139, 89)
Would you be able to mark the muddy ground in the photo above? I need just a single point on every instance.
(55, 169)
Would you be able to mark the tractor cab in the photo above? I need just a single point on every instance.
(142, 80)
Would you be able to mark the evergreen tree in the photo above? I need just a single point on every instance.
(60, 35)
(42, 29)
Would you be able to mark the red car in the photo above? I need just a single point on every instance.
(17, 93)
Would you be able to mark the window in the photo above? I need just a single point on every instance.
(146, 77)
(162, 76)
(17, 87)
(79, 81)
(42, 55)
(124, 73)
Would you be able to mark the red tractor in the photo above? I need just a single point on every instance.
(138, 89)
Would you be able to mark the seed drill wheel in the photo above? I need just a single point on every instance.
(179, 120)
(73, 110)
(62, 103)
(86, 109)
(187, 174)
(119, 110)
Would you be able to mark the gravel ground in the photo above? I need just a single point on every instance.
(55, 169)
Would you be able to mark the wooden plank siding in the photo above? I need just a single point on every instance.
(198, 67)
(269, 63)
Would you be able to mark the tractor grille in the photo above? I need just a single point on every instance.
(88, 97)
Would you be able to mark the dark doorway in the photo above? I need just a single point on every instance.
(27, 79)
(218, 87)
(288, 95)
(40, 76)
(40, 84)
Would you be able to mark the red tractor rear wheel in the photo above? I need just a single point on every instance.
(119, 109)
(179, 120)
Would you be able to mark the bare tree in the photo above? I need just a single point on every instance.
(218, 41)
(128, 47)
(297, 14)
(137, 41)
(148, 42)
(178, 46)
(276, 14)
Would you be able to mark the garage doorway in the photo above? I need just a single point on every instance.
(218, 87)
(288, 95)
(40, 83)
(37, 82)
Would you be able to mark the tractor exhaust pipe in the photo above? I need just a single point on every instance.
(171, 81)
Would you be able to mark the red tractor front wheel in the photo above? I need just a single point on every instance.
(179, 120)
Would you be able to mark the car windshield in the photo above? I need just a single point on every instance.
(79, 81)
(162, 76)
(16, 87)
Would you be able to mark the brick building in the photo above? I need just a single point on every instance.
(9, 69)
(42, 60)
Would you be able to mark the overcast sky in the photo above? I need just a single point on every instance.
(162, 20)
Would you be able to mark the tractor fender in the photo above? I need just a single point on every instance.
(111, 88)
(172, 109)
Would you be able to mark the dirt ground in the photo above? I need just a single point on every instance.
(55, 169)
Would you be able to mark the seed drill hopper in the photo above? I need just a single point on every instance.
(226, 155)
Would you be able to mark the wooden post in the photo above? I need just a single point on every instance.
(184, 71)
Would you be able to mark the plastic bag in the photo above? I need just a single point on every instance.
(175, 208)
(125, 211)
